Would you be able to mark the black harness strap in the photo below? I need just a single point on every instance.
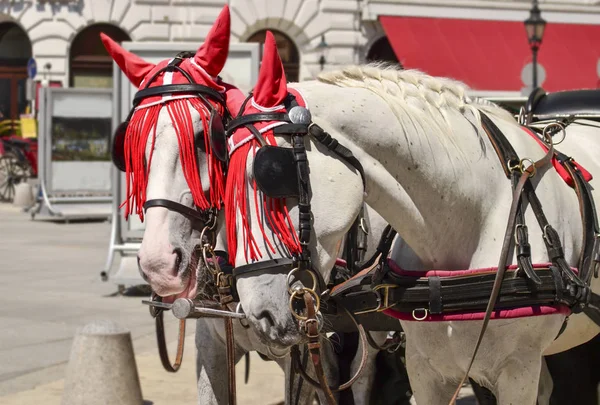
(178, 88)
(244, 120)
(333, 145)
(180, 208)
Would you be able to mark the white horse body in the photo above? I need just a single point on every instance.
(433, 175)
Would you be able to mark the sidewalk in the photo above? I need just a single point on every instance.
(265, 386)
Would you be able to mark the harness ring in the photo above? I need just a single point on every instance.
(296, 295)
(561, 128)
(523, 169)
(420, 318)
(314, 279)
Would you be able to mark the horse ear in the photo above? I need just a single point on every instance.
(134, 67)
(271, 86)
(212, 54)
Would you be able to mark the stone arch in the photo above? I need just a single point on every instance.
(89, 63)
(15, 51)
(303, 21)
(290, 56)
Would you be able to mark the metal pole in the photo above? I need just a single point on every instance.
(534, 49)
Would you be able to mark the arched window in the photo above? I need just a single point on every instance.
(381, 51)
(15, 50)
(90, 64)
(287, 50)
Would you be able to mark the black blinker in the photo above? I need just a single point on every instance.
(118, 146)
(218, 136)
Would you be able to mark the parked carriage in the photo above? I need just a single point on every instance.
(18, 155)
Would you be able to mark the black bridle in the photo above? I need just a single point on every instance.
(216, 129)
(298, 124)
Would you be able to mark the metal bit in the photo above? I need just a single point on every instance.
(184, 308)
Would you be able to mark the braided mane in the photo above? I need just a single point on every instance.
(411, 88)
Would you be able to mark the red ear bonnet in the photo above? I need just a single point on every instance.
(134, 67)
(271, 86)
(212, 54)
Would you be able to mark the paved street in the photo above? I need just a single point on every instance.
(50, 286)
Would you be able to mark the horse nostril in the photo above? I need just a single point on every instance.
(178, 259)
(267, 317)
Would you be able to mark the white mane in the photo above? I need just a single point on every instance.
(416, 97)
(410, 86)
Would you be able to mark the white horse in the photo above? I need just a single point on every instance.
(432, 173)
(167, 255)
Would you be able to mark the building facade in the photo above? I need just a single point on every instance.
(465, 39)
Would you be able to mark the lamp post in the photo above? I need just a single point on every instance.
(322, 47)
(534, 26)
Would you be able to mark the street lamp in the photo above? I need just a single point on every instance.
(322, 47)
(534, 26)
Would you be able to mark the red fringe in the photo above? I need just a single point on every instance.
(142, 125)
(274, 209)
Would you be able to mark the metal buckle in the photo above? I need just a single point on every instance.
(386, 297)
(306, 322)
(383, 302)
(376, 309)
(517, 239)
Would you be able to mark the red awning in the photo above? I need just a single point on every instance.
(490, 55)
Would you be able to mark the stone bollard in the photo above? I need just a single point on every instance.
(23, 195)
(102, 367)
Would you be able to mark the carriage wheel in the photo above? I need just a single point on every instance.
(12, 172)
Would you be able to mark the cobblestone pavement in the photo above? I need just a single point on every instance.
(50, 286)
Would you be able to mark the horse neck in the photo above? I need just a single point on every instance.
(425, 179)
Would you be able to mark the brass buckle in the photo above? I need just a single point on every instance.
(383, 301)
(223, 280)
(386, 296)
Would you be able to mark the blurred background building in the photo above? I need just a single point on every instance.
(481, 42)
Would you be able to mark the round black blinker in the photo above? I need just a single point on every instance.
(218, 136)
(118, 146)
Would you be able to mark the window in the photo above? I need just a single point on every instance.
(90, 64)
(15, 51)
(381, 51)
(287, 50)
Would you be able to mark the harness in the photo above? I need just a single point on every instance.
(379, 288)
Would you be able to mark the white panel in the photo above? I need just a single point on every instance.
(81, 176)
(88, 105)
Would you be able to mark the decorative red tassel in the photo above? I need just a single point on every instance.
(236, 198)
(142, 125)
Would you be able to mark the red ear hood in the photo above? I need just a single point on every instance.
(271, 86)
(212, 55)
(134, 67)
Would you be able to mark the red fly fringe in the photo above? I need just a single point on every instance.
(142, 125)
(274, 210)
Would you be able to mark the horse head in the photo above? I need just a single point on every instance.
(172, 149)
(264, 209)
